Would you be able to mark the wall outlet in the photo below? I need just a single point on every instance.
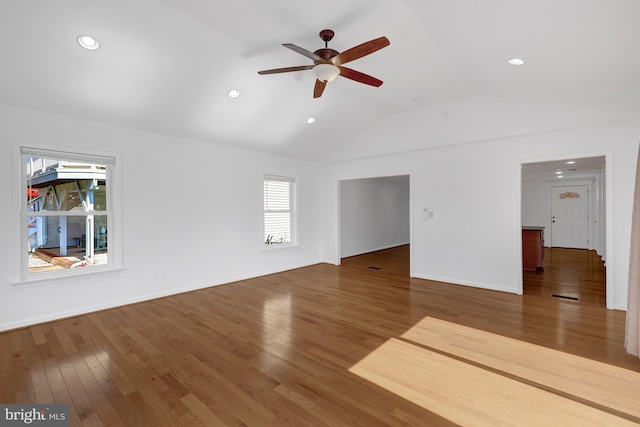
(162, 273)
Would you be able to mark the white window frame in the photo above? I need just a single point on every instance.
(21, 274)
(292, 210)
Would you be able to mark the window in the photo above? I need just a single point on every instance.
(279, 211)
(66, 213)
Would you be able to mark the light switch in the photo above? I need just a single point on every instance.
(427, 214)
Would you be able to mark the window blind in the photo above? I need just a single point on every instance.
(278, 202)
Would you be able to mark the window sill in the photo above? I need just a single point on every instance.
(64, 275)
(276, 246)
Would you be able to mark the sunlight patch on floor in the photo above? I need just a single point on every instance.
(475, 378)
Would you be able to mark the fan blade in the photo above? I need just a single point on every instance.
(306, 53)
(359, 77)
(287, 69)
(319, 88)
(361, 50)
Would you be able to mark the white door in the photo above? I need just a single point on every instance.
(570, 217)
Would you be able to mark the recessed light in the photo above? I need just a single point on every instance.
(571, 162)
(233, 93)
(516, 61)
(558, 173)
(560, 176)
(418, 99)
(311, 120)
(88, 42)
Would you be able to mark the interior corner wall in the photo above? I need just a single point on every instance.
(189, 208)
(474, 192)
(374, 214)
(536, 205)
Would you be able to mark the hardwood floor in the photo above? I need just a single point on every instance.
(331, 346)
(573, 274)
(393, 260)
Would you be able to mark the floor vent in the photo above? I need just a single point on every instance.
(375, 268)
(565, 297)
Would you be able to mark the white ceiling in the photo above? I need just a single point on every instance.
(166, 65)
(563, 170)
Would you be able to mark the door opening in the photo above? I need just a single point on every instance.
(375, 223)
(566, 198)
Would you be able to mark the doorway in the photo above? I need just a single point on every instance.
(567, 198)
(374, 223)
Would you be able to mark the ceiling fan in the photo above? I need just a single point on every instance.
(327, 63)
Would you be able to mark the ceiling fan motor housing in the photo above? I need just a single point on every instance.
(326, 53)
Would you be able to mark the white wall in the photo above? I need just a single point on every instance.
(536, 205)
(190, 208)
(202, 224)
(474, 190)
(374, 214)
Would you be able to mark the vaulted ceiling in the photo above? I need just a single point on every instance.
(166, 65)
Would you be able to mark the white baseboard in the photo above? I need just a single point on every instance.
(467, 283)
(140, 298)
(382, 248)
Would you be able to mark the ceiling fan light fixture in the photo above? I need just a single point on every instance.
(326, 72)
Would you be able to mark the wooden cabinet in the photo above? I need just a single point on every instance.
(532, 248)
